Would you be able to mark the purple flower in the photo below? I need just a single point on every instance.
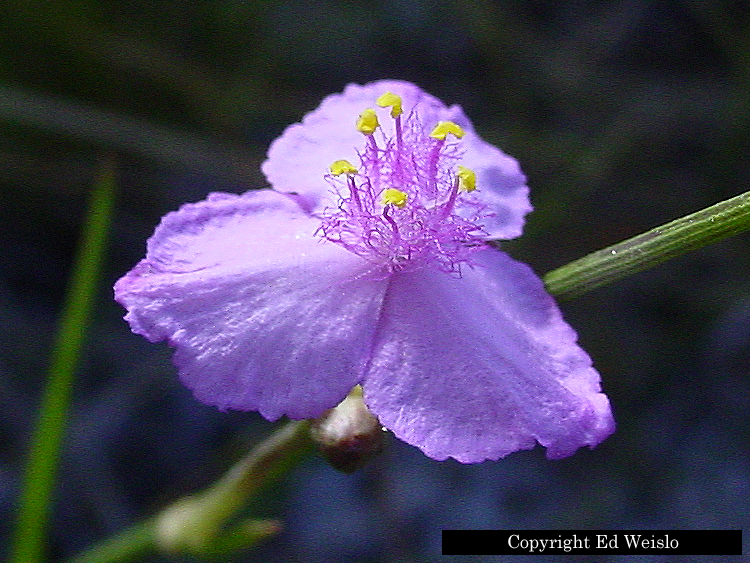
(368, 264)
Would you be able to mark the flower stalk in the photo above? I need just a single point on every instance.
(651, 248)
(194, 524)
(200, 524)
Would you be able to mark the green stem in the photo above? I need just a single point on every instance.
(134, 542)
(653, 247)
(34, 503)
(195, 524)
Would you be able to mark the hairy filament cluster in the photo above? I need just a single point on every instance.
(399, 207)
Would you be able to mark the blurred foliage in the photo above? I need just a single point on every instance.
(624, 114)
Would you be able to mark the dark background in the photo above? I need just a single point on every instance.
(624, 115)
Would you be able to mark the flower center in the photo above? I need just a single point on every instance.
(409, 203)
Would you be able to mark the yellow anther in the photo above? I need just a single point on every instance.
(445, 127)
(467, 180)
(395, 197)
(367, 122)
(342, 167)
(393, 101)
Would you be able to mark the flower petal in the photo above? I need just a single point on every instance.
(501, 186)
(480, 366)
(263, 315)
(328, 134)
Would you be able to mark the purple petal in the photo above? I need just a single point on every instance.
(328, 134)
(263, 315)
(501, 186)
(480, 366)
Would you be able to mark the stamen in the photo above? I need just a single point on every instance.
(393, 101)
(442, 129)
(354, 192)
(467, 179)
(345, 167)
(448, 207)
(395, 197)
(367, 122)
(342, 167)
(399, 207)
(396, 242)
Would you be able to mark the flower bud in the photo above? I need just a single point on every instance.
(348, 435)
